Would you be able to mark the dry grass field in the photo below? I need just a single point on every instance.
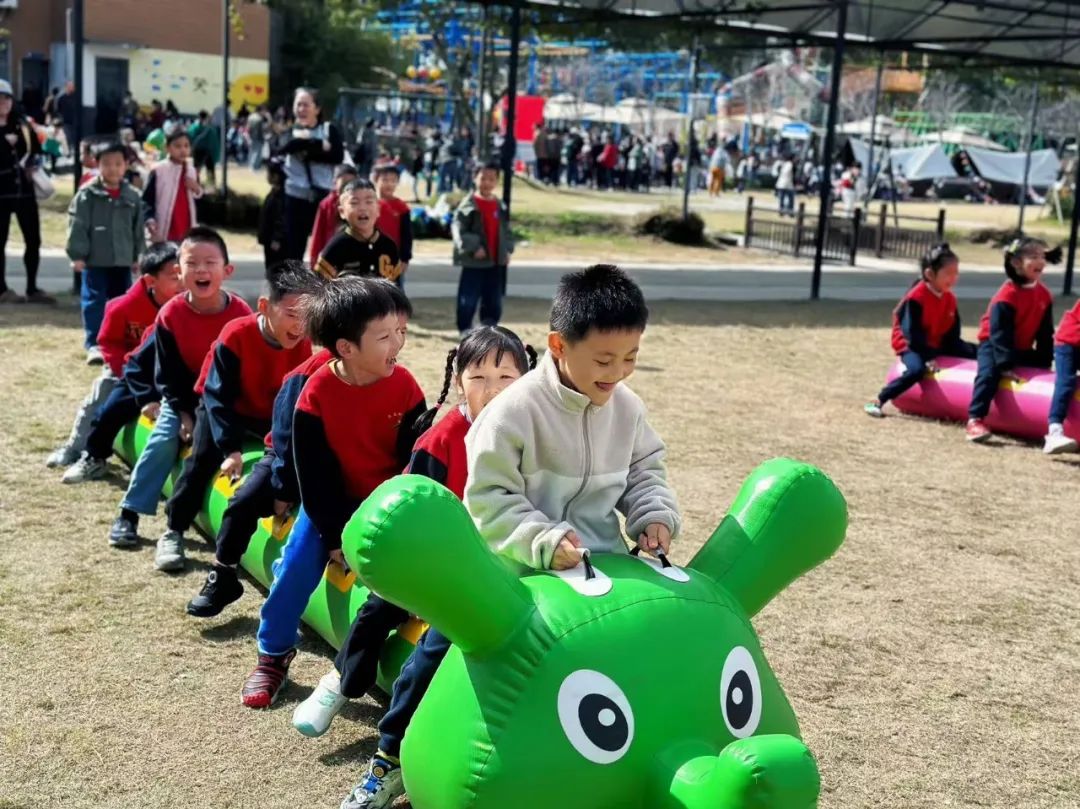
(933, 662)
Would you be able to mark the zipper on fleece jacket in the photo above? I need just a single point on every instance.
(588, 463)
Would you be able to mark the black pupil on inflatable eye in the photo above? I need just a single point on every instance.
(603, 722)
(740, 700)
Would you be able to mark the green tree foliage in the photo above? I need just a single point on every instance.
(325, 45)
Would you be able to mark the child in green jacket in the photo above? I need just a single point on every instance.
(105, 238)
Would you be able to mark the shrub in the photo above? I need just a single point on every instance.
(669, 225)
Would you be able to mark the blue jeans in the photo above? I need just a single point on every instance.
(787, 199)
(99, 285)
(914, 370)
(483, 285)
(296, 575)
(1066, 363)
(409, 689)
(154, 465)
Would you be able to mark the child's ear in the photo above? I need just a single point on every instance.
(556, 344)
(263, 305)
(343, 348)
(229, 269)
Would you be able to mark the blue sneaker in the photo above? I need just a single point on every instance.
(381, 786)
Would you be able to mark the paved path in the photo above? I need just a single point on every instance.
(432, 278)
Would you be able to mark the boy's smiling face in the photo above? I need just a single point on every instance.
(285, 319)
(374, 357)
(166, 284)
(203, 270)
(387, 182)
(597, 363)
(112, 167)
(360, 209)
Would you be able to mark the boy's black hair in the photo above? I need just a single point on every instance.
(344, 168)
(600, 297)
(157, 257)
(936, 257)
(111, 147)
(201, 234)
(472, 349)
(342, 308)
(402, 304)
(493, 165)
(1023, 246)
(290, 277)
(175, 135)
(359, 184)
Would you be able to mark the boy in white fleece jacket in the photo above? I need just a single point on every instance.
(555, 457)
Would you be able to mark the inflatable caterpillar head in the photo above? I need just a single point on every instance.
(633, 684)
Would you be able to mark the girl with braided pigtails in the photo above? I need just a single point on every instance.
(484, 364)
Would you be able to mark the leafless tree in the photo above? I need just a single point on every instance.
(943, 98)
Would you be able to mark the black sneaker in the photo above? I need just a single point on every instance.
(221, 589)
(124, 533)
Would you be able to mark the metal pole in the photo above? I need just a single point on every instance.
(77, 77)
(481, 122)
(1074, 227)
(225, 98)
(1027, 155)
(870, 173)
(695, 60)
(827, 147)
(510, 142)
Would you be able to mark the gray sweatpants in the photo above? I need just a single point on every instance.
(84, 419)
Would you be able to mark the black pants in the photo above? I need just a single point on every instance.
(914, 371)
(299, 219)
(254, 499)
(409, 689)
(988, 377)
(358, 659)
(118, 410)
(26, 213)
(483, 285)
(200, 469)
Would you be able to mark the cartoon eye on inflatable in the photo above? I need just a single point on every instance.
(740, 693)
(595, 716)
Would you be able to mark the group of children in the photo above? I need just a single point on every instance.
(314, 375)
(1016, 330)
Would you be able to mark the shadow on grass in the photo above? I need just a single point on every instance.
(353, 754)
(239, 627)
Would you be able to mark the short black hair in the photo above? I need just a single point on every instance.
(492, 165)
(359, 184)
(344, 169)
(157, 257)
(937, 257)
(600, 297)
(175, 135)
(290, 277)
(402, 304)
(343, 307)
(112, 147)
(387, 168)
(201, 234)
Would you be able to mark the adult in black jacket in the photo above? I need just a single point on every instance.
(19, 150)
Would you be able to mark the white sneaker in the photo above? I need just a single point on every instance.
(313, 716)
(84, 469)
(170, 552)
(62, 456)
(381, 786)
(1057, 442)
(94, 356)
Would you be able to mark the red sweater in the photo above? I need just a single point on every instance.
(440, 452)
(347, 439)
(183, 337)
(933, 316)
(393, 213)
(489, 215)
(1029, 306)
(327, 224)
(1068, 331)
(240, 378)
(126, 318)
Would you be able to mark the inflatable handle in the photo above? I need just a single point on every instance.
(413, 543)
(661, 557)
(788, 518)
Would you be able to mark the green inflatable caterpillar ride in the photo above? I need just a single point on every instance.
(627, 682)
(339, 595)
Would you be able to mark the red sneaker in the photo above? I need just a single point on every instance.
(977, 432)
(263, 685)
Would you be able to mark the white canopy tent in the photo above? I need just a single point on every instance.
(566, 107)
(921, 163)
(1009, 168)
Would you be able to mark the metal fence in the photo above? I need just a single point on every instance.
(794, 233)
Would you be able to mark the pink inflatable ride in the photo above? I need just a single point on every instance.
(1019, 409)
